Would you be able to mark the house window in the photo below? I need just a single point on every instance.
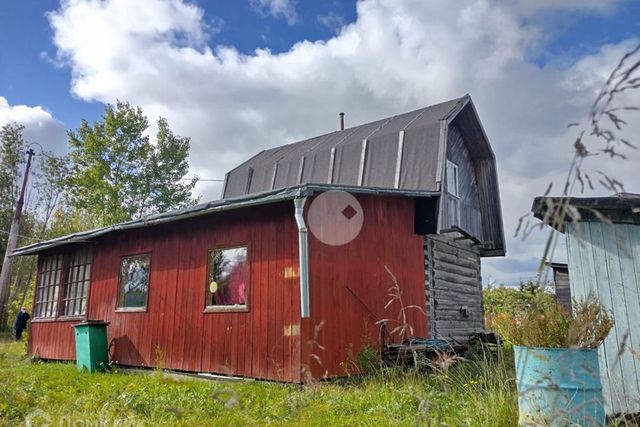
(452, 179)
(50, 276)
(228, 278)
(134, 282)
(76, 288)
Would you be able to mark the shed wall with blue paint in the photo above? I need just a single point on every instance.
(604, 258)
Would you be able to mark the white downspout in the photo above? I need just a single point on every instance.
(304, 256)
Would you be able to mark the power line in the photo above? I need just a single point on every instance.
(21, 235)
(202, 179)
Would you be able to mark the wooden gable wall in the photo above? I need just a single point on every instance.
(464, 210)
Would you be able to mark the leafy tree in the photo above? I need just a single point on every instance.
(12, 147)
(118, 174)
(51, 175)
(502, 299)
(167, 166)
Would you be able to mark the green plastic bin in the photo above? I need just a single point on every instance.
(91, 345)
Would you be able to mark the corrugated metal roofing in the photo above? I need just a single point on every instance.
(396, 152)
(267, 197)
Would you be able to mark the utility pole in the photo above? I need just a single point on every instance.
(12, 242)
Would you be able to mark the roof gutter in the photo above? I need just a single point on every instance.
(266, 197)
(304, 256)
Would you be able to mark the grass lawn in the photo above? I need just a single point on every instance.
(479, 392)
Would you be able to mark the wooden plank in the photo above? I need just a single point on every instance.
(466, 272)
(609, 348)
(286, 303)
(628, 327)
(181, 297)
(633, 302)
(199, 285)
(159, 301)
(262, 305)
(279, 291)
(447, 245)
(256, 271)
(611, 276)
(449, 305)
(270, 300)
(470, 262)
(456, 278)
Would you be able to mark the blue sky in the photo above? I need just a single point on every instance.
(26, 77)
(531, 67)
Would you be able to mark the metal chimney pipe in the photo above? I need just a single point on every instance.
(341, 121)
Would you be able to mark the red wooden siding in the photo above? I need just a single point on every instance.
(268, 340)
(247, 343)
(52, 340)
(387, 238)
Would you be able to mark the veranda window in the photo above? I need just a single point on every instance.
(228, 278)
(50, 276)
(76, 289)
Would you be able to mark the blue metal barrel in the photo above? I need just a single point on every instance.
(559, 386)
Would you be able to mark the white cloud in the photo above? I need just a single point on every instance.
(332, 20)
(532, 7)
(397, 56)
(277, 8)
(39, 125)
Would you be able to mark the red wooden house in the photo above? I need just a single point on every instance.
(287, 276)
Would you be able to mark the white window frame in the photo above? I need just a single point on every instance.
(120, 296)
(210, 305)
(50, 279)
(453, 179)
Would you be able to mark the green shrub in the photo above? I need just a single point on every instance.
(368, 360)
(502, 299)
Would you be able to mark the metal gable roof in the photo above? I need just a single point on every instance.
(396, 152)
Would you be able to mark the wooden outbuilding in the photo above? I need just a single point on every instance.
(291, 273)
(561, 286)
(603, 245)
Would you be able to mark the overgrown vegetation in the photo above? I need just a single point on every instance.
(546, 323)
(477, 392)
(503, 299)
